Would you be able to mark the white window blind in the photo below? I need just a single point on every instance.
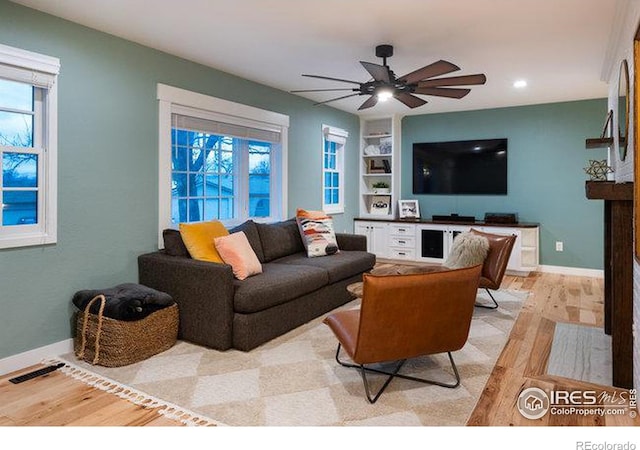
(28, 67)
(336, 135)
(225, 129)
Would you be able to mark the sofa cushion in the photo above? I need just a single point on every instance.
(173, 243)
(340, 266)
(250, 229)
(277, 284)
(279, 239)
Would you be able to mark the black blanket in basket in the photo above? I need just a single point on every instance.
(127, 301)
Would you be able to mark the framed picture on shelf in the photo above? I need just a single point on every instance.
(380, 205)
(408, 209)
(375, 167)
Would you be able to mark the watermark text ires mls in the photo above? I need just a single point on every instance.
(534, 403)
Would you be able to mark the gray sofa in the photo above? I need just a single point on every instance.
(221, 312)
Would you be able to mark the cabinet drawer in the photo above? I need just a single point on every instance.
(396, 229)
(402, 253)
(404, 242)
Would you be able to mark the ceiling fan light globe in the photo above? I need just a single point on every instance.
(384, 95)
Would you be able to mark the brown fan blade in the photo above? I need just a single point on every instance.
(442, 92)
(378, 72)
(371, 101)
(454, 81)
(332, 79)
(410, 100)
(323, 90)
(432, 70)
(334, 99)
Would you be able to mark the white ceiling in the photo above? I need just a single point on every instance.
(558, 46)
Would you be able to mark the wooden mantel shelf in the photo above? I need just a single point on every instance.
(609, 190)
(599, 142)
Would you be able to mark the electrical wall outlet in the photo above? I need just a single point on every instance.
(559, 246)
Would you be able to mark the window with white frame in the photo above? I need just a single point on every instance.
(219, 160)
(28, 148)
(333, 142)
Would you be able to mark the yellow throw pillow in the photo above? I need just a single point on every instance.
(199, 239)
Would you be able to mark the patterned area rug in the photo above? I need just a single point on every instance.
(295, 381)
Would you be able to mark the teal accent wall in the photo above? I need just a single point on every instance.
(107, 146)
(546, 180)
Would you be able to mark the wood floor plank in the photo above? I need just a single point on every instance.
(73, 409)
(539, 357)
(57, 399)
(485, 408)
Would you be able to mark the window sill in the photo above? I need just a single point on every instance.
(26, 241)
(333, 210)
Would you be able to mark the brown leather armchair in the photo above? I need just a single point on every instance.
(406, 316)
(495, 264)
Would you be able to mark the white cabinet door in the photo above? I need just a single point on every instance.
(379, 239)
(376, 234)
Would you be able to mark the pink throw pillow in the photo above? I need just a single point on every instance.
(236, 251)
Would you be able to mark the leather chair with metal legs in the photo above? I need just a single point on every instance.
(495, 264)
(403, 317)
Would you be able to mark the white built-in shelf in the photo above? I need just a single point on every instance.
(373, 132)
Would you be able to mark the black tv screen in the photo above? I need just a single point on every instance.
(460, 167)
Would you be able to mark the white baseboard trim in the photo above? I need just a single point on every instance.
(577, 271)
(31, 357)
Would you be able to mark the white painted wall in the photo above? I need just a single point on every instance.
(620, 48)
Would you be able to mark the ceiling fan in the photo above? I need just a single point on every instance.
(385, 84)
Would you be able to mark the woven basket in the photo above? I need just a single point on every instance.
(113, 343)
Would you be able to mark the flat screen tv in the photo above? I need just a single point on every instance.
(477, 167)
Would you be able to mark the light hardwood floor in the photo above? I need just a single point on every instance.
(56, 399)
(553, 299)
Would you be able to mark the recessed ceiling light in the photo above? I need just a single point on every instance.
(520, 84)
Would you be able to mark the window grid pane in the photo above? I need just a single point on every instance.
(259, 179)
(19, 170)
(19, 207)
(19, 188)
(16, 96)
(204, 176)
